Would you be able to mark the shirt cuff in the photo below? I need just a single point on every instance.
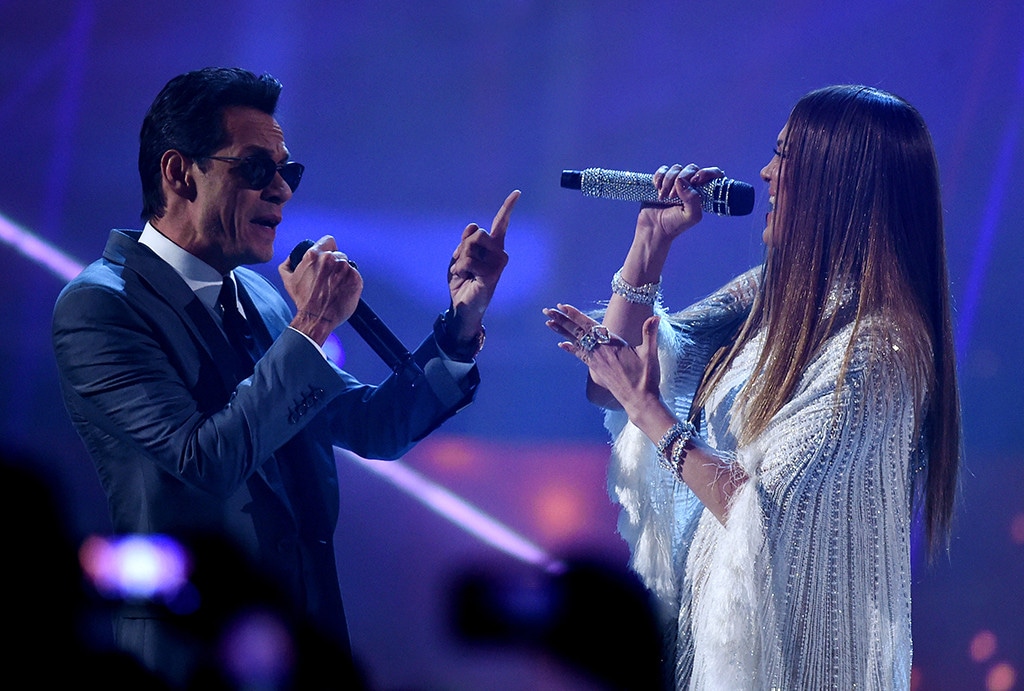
(456, 368)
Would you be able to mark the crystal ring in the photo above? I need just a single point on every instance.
(595, 337)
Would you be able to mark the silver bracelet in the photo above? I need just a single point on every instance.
(647, 294)
(672, 447)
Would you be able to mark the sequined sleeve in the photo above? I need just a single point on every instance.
(826, 524)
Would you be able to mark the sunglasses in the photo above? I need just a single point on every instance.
(259, 171)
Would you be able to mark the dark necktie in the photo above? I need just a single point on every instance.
(236, 327)
(241, 336)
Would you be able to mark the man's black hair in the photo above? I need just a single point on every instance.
(188, 116)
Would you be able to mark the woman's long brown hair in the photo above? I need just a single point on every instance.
(858, 214)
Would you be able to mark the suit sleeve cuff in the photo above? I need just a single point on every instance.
(315, 344)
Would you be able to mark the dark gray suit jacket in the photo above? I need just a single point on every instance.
(183, 447)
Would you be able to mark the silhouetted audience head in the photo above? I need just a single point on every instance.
(241, 632)
(46, 605)
(596, 620)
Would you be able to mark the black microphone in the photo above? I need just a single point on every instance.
(720, 196)
(365, 322)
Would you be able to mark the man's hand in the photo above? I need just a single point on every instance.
(325, 288)
(475, 268)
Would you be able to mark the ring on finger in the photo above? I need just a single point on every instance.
(597, 335)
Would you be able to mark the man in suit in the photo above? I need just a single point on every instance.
(206, 404)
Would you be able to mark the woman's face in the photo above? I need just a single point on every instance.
(771, 174)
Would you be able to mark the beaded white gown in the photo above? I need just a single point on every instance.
(807, 585)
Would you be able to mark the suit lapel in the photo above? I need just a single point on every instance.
(160, 278)
(255, 318)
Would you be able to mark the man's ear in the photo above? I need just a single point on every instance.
(176, 174)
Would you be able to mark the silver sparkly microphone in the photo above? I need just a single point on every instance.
(720, 196)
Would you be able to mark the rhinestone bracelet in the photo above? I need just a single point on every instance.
(676, 439)
(647, 294)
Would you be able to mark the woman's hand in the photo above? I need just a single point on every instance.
(631, 375)
(669, 222)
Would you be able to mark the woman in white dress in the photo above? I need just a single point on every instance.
(774, 442)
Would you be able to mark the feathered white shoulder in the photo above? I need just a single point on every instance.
(644, 490)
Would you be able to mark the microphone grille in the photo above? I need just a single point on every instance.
(727, 197)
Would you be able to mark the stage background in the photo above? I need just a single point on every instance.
(414, 119)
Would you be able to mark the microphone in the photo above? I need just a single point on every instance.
(720, 196)
(365, 322)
